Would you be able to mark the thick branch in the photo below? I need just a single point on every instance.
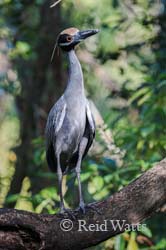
(134, 203)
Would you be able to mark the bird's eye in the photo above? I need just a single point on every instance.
(69, 38)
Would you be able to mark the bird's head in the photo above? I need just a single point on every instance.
(69, 38)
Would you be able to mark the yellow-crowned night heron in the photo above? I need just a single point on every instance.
(70, 127)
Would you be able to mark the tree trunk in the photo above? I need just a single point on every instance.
(41, 83)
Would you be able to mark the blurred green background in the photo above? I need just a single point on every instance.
(124, 69)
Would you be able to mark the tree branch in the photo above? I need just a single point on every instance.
(134, 203)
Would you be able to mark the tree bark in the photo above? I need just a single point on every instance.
(133, 204)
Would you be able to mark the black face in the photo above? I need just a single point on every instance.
(67, 42)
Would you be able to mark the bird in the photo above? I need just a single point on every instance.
(70, 127)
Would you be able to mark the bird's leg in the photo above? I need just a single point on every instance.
(60, 177)
(81, 151)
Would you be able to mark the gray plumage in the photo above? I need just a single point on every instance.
(70, 127)
(69, 120)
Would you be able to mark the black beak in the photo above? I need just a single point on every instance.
(86, 33)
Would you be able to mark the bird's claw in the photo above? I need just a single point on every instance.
(82, 207)
(67, 211)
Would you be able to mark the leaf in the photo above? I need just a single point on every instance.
(132, 245)
(119, 243)
(139, 93)
(147, 130)
(85, 176)
(12, 198)
(24, 199)
(145, 230)
(96, 184)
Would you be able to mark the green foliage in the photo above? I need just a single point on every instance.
(126, 78)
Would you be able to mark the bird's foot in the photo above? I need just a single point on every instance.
(83, 207)
(68, 212)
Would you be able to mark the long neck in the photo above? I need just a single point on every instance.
(75, 81)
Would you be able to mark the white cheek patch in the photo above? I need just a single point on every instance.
(63, 44)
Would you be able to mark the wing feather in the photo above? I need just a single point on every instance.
(90, 119)
(90, 128)
(54, 124)
(55, 120)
